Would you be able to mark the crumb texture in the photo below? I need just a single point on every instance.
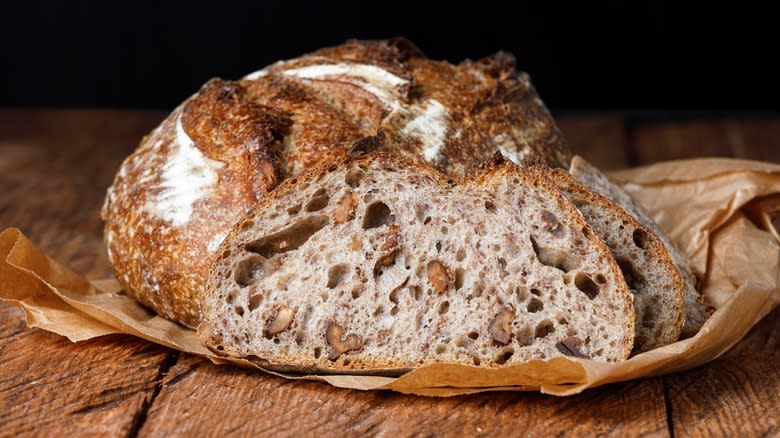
(376, 263)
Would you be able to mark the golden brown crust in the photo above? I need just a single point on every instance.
(249, 135)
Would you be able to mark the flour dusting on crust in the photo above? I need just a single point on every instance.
(186, 177)
(376, 80)
(430, 127)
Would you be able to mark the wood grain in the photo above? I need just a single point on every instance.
(242, 403)
(736, 395)
(54, 169)
(50, 386)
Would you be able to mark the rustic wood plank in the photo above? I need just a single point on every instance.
(54, 168)
(600, 139)
(50, 386)
(198, 397)
(653, 142)
(739, 393)
(202, 398)
(736, 395)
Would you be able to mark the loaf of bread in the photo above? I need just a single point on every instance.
(644, 260)
(377, 264)
(221, 151)
(696, 309)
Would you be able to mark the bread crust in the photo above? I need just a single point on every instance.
(224, 148)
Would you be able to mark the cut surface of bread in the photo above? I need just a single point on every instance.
(696, 310)
(647, 267)
(375, 263)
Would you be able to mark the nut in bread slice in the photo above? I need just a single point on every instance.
(378, 264)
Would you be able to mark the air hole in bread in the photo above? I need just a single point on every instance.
(438, 246)
(379, 310)
(633, 278)
(336, 275)
(535, 305)
(601, 279)
(356, 292)
(586, 285)
(441, 349)
(461, 341)
(536, 292)
(544, 328)
(562, 260)
(239, 309)
(641, 238)
(490, 206)
(473, 336)
(479, 289)
(394, 311)
(427, 220)
(377, 215)
(254, 301)
(444, 307)
(504, 356)
(459, 278)
(317, 352)
(415, 292)
(460, 255)
(476, 361)
(318, 201)
(444, 229)
(249, 270)
(288, 239)
(231, 297)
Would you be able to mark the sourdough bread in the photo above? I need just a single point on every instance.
(643, 259)
(696, 309)
(376, 263)
(175, 198)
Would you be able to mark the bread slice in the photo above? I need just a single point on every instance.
(696, 310)
(647, 267)
(376, 263)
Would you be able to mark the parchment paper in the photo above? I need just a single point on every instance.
(722, 213)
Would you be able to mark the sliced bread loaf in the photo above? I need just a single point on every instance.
(378, 264)
(696, 310)
(643, 258)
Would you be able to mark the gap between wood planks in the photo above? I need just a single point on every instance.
(140, 417)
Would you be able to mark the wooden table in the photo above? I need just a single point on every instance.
(54, 168)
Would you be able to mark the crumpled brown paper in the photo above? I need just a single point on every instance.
(723, 213)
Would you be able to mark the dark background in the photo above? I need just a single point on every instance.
(603, 56)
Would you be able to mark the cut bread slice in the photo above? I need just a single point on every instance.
(696, 310)
(379, 265)
(647, 267)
